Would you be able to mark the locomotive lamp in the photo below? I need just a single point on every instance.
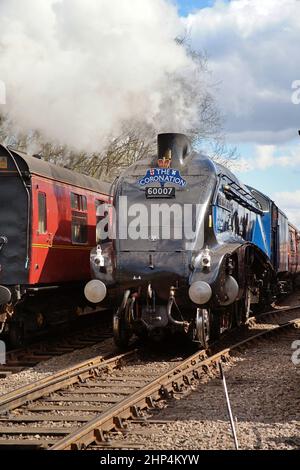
(206, 258)
(99, 258)
(231, 289)
(95, 291)
(200, 292)
(202, 259)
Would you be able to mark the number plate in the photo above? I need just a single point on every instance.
(166, 193)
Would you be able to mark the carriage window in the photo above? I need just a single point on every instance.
(78, 202)
(79, 228)
(42, 228)
(79, 219)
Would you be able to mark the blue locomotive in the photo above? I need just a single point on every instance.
(194, 249)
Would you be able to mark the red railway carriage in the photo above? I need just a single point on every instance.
(47, 229)
(294, 249)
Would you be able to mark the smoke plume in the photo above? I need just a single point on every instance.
(77, 70)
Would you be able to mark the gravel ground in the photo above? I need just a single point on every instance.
(264, 391)
(154, 364)
(56, 364)
(263, 386)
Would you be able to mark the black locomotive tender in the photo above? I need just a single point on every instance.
(244, 253)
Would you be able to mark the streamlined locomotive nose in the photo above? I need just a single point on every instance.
(162, 269)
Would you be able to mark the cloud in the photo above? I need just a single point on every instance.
(270, 156)
(253, 50)
(76, 70)
(289, 202)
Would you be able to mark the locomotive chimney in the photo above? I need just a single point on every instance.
(172, 148)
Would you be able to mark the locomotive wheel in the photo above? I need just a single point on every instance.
(201, 328)
(205, 328)
(243, 308)
(16, 334)
(121, 328)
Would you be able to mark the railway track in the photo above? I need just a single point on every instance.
(272, 314)
(62, 342)
(57, 343)
(85, 405)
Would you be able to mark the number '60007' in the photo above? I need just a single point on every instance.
(160, 192)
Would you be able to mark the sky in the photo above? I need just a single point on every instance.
(190, 6)
(252, 48)
(253, 52)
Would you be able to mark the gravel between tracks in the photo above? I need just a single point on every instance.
(263, 385)
(152, 365)
(56, 364)
(264, 391)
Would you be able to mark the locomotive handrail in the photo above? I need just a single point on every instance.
(249, 200)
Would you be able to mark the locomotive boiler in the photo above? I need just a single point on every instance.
(194, 250)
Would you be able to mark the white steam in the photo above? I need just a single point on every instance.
(75, 70)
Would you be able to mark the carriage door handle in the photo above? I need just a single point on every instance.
(50, 239)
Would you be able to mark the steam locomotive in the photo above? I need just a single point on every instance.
(195, 250)
(47, 229)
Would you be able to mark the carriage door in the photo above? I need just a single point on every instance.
(40, 236)
(13, 224)
(42, 225)
(275, 238)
